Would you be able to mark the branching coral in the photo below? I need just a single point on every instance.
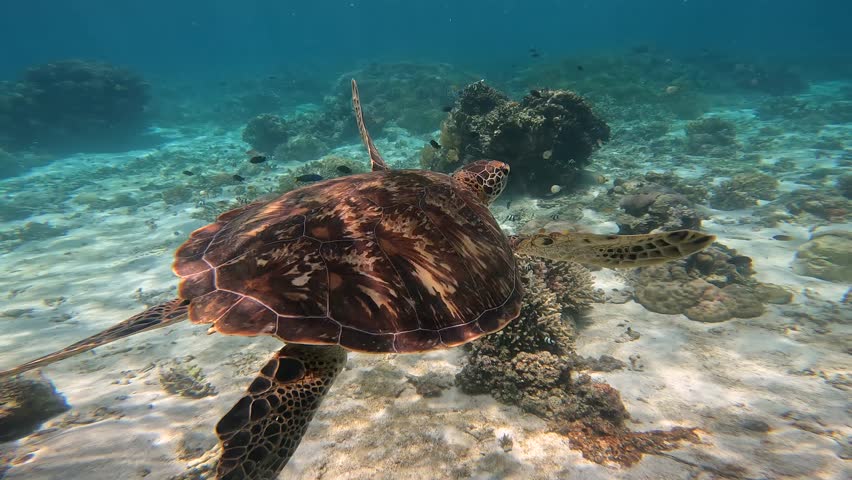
(547, 137)
(531, 363)
(525, 363)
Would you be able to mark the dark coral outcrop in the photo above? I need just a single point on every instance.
(547, 137)
(266, 131)
(25, 404)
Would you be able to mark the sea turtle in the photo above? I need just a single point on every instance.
(391, 261)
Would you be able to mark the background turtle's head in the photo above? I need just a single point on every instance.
(485, 178)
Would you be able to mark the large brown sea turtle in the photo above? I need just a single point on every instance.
(395, 261)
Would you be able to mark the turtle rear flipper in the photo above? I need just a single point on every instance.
(614, 251)
(155, 317)
(260, 433)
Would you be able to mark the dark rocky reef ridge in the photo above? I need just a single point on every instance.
(72, 104)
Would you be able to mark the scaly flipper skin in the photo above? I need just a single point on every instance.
(155, 317)
(376, 160)
(613, 251)
(260, 433)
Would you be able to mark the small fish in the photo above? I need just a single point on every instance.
(534, 53)
(258, 159)
(188, 173)
(554, 216)
(580, 68)
(238, 178)
(447, 109)
(508, 204)
(272, 77)
(782, 238)
(554, 189)
(344, 169)
(309, 177)
(435, 145)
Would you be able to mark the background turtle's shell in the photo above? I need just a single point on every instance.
(392, 261)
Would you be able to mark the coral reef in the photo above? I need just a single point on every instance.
(817, 205)
(266, 131)
(182, 377)
(25, 404)
(655, 201)
(668, 87)
(827, 255)
(547, 137)
(774, 80)
(743, 190)
(711, 286)
(300, 147)
(72, 104)
(409, 95)
(711, 136)
(531, 363)
(656, 210)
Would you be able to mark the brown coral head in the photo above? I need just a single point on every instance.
(485, 178)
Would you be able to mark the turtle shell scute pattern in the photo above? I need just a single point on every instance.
(391, 261)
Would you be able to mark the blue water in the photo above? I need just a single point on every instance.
(219, 36)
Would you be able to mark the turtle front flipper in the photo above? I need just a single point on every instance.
(260, 433)
(155, 317)
(613, 251)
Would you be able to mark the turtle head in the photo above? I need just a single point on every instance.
(485, 178)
